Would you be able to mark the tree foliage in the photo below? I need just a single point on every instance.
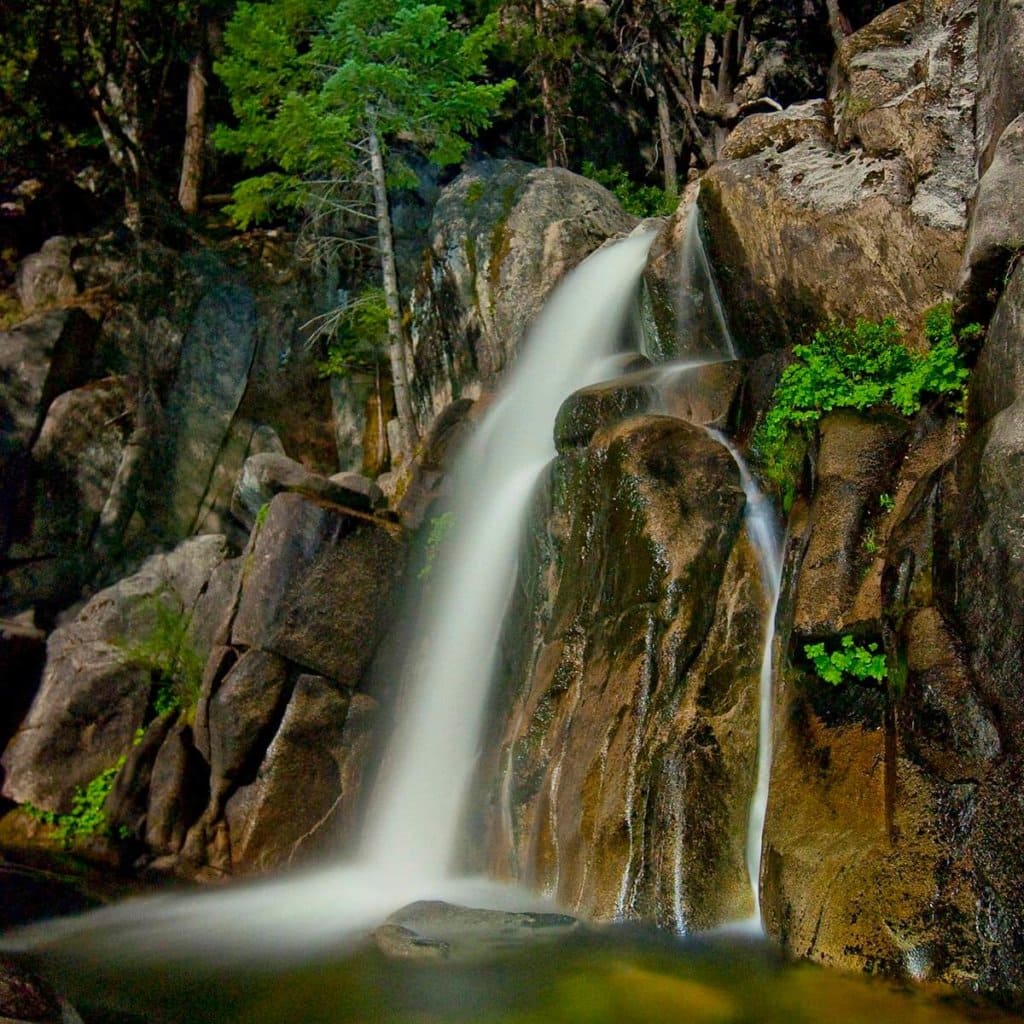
(307, 76)
(95, 77)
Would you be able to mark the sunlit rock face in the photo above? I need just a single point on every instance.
(887, 845)
(504, 233)
(625, 730)
(861, 213)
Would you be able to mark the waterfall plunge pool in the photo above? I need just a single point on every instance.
(613, 975)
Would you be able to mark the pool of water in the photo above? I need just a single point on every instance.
(612, 976)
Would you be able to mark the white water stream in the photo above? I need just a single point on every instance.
(699, 291)
(414, 824)
(763, 531)
(414, 821)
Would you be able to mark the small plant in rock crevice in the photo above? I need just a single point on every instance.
(437, 532)
(850, 661)
(861, 367)
(167, 652)
(86, 819)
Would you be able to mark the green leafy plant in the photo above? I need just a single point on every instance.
(870, 541)
(261, 514)
(886, 502)
(639, 200)
(849, 661)
(859, 367)
(437, 531)
(167, 652)
(86, 817)
(358, 335)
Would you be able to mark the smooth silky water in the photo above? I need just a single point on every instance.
(295, 948)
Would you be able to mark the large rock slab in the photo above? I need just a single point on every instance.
(1001, 72)
(217, 355)
(856, 464)
(865, 224)
(308, 755)
(94, 697)
(318, 586)
(503, 234)
(629, 684)
(886, 840)
(996, 235)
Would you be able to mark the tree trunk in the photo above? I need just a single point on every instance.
(195, 133)
(668, 153)
(396, 335)
(555, 155)
(838, 22)
(115, 110)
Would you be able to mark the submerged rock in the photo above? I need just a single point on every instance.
(431, 930)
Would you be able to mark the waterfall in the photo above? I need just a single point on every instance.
(414, 820)
(763, 531)
(413, 823)
(701, 312)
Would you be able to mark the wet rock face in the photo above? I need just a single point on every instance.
(629, 683)
(864, 216)
(502, 236)
(885, 843)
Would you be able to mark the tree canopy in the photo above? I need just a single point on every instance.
(308, 78)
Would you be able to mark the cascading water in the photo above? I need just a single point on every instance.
(762, 528)
(413, 823)
(413, 827)
(701, 312)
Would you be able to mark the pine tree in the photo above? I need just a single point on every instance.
(323, 89)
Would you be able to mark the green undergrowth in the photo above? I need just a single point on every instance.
(639, 200)
(87, 818)
(356, 335)
(437, 532)
(850, 661)
(861, 367)
(167, 652)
